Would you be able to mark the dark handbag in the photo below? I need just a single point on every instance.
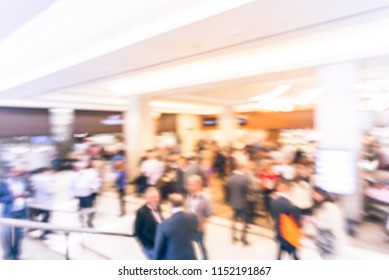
(325, 240)
(140, 183)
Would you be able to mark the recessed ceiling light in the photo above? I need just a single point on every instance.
(235, 32)
(195, 46)
(366, 86)
(278, 91)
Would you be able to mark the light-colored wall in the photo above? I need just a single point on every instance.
(189, 130)
(240, 135)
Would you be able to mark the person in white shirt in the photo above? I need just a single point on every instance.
(152, 168)
(44, 191)
(301, 191)
(84, 183)
(96, 168)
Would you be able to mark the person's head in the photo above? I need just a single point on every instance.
(189, 156)
(94, 149)
(282, 186)
(151, 154)
(301, 170)
(287, 172)
(46, 170)
(194, 183)
(152, 196)
(252, 166)
(176, 200)
(13, 172)
(319, 195)
(240, 166)
(80, 165)
(170, 175)
(119, 165)
(182, 161)
(267, 165)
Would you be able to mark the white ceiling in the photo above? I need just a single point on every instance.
(15, 13)
(192, 55)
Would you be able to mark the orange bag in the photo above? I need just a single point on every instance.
(290, 230)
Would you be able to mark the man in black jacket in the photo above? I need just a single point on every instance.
(147, 219)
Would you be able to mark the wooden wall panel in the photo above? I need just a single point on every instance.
(275, 120)
(24, 122)
(167, 123)
(90, 121)
(280, 120)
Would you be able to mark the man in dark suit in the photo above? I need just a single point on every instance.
(147, 219)
(238, 191)
(175, 235)
(283, 205)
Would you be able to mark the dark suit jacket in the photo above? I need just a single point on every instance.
(146, 226)
(238, 190)
(174, 237)
(180, 182)
(282, 205)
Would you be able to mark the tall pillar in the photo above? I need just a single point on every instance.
(337, 111)
(227, 125)
(337, 121)
(61, 126)
(139, 132)
(189, 131)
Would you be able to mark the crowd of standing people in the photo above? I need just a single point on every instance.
(253, 179)
(269, 180)
(30, 195)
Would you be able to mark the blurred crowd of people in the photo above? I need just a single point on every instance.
(30, 195)
(255, 179)
(271, 180)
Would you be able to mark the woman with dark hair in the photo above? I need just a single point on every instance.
(302, 191)
(287, 219)
(167, 183)
(330, 236)
(320, 196)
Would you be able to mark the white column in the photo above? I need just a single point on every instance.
(227, 125)
(337, 121)
(61, 126)
(189, 131)
(337, 112)
(139, 132)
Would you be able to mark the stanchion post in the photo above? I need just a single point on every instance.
(67, 245)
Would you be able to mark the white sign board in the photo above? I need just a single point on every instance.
(336, 171)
